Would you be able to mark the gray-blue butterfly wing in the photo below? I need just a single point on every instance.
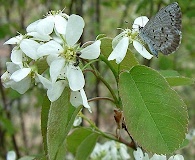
(163, 31)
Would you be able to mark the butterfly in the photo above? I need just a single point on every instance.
(162, 33)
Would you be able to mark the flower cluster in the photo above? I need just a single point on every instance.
(110, 150)
(121, 42)
(139, 155)
(116, 150)
(55, 40)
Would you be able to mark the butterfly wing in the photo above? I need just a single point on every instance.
(163, 31)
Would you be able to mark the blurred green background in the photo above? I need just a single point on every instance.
(20, 114)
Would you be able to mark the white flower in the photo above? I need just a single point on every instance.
(16, 54)
(24, 45)
(158, 157)
(55, 89)
(66, 54)
(120, 50)
(11, 155)
(56, 21)
(176, 157)
(29, 47)
(140, 156)
(110, 150)
(77, 121)
(139, 23)
(97, 151)
(17, 78)
(121, 42)
(123, 151)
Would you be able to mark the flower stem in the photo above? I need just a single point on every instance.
(100, 98)
(89, 63)
(105, 60)
(96, 128)
(96, 73)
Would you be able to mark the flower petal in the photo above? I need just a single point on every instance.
(158, 157)
(12, 67)
(139, 22)
(58, 38)
(76, 99)
(45, 82)
(176, 157)
(120, 50)
(11, 155)
(29, 47)
(60, 24)
(116, 39)
(39, 37)
(5, 79)
(51, 47)
(20, 74)
(22, 86)
(16, 56)
(142, 50)
(84, 98)
(123, 151)
(75, 78)
(56, 90)
(51, 58)
(46, 25)
(32, 26)
(55, 68)
(77, 121)
(14, 40)
(74, 29)
(138, 154)
(92, 51)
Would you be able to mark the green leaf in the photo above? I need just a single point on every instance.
(87, 146)
(44, 119)
(61, 151)
(81, 142)
(155, 115)
(185, 143)
(169, 73)
(60, 120)
(179, 81)
(57, 121)
(75, 139)
(175, 79)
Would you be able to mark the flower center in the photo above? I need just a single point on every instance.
(69, 54)
(132, 35)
